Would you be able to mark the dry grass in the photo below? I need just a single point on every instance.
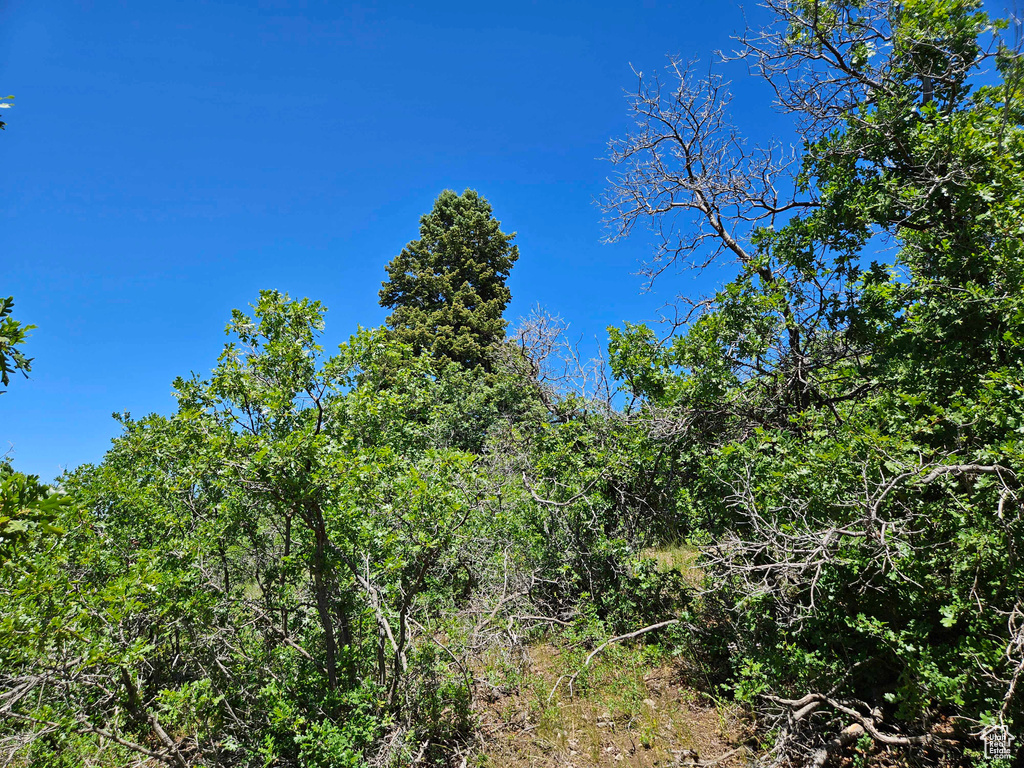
(629, 710)
(678, 556)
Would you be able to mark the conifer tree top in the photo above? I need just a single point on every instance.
(447, 290)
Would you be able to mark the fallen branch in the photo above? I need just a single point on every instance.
(605, 644)
(721, 759)
(846, 737)
(867, 724)
(548, 619)
(465, 672)
(87, 728)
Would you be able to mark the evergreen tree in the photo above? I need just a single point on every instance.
(447, 290)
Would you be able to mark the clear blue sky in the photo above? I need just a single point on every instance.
(166, 160)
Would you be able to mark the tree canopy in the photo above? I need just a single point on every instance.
(447, 288)
(12, 336)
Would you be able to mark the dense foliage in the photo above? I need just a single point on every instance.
(290, 569)
(848, 408)
(12, 339)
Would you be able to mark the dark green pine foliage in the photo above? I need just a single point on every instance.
(447, 290)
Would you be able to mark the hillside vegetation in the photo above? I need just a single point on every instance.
(784, 530)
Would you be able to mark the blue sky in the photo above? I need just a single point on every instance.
(165, 161)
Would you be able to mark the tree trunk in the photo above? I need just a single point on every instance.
(315, 521)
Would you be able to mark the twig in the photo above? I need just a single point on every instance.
(84, 727)
(605, 644)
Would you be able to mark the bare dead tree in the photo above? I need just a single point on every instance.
(540, 349)
(688, 174)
